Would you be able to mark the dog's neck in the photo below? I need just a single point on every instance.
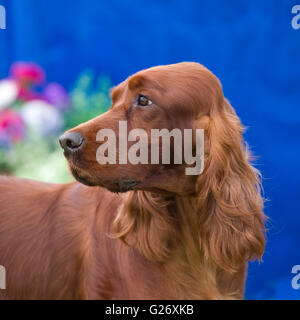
(166, 229)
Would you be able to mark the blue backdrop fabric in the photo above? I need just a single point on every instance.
(250, 45)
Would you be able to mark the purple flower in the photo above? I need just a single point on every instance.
(57, 95)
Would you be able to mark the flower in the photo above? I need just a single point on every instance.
(41, 117)
(8, 93)
(27, 73)
(57, 95)
(11, 126)
(26, 94)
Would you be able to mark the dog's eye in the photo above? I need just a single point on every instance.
(143, 101)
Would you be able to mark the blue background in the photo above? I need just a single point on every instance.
(249, 45)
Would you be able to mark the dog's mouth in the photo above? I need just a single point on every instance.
(123, 185)
(120, 185)
(81, 177)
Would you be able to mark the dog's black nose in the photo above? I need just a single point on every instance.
(71, 141)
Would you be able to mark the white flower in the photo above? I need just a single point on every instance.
(8, 93)
(41, 117)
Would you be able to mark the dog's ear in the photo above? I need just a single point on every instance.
(229, 197)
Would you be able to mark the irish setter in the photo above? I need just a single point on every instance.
(144, 231)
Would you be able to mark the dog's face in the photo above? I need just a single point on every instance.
(166, 97)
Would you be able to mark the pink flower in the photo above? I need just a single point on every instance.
(27, 73)
(11, 125)
(25, 94)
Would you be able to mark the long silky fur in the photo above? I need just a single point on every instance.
(209, 235)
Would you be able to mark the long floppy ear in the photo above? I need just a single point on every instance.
(229, 195)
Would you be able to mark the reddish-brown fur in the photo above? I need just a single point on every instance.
(170, 236)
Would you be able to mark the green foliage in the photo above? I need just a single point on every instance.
(89, 98)
(38, 159)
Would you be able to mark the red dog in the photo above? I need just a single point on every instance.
(170, 236)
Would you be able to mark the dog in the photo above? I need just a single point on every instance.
(140, 231)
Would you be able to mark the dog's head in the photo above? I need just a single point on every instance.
(180, 96)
